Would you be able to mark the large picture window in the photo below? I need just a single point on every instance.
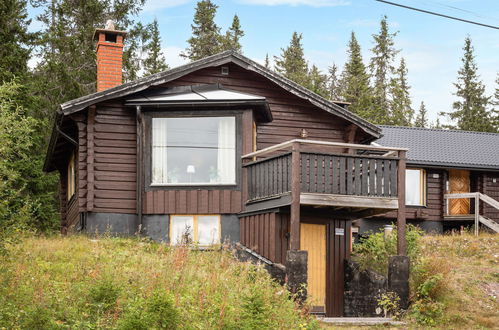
(200, 229)
(194, 151)
(415, 183)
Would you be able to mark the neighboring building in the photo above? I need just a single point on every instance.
(441, 162)
(223, 149)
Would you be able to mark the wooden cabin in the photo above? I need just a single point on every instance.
(443, 166)
(223, 149)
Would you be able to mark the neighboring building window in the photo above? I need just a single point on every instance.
(71, 177)
(199, 229)
(194, 151)
(415, 186)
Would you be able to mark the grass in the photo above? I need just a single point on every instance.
(470, 286)
(117, 283)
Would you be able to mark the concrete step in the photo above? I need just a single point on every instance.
(359, 321)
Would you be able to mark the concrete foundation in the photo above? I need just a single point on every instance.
(154, 226)
(375, 225)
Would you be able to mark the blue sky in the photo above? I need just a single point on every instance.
(432, 46)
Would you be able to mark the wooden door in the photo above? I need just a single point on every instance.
(313, 240)
(459, 182)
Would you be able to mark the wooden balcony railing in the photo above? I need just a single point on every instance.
(307, 172)
(324, 173)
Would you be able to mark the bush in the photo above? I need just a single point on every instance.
(374, 251)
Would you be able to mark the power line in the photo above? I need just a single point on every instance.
(437, 14)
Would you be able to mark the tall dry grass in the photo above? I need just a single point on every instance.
(107, 283)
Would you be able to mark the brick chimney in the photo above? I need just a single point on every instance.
(109, 56)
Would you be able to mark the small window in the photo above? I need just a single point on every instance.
(194, 151)
(200, 229)
(71, 177)
(415, 187)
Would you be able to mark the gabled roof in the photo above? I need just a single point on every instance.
(211, 61)
(444, 148)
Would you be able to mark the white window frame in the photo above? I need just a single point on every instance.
(422, 187)
(195, 231)
(71, 177)
(195, 184)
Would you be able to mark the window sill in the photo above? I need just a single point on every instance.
(193, 185)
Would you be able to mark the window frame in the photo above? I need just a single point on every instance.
(422, 187)
(195, 233)
(71, 177)
(147, 157)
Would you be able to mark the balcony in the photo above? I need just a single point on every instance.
(345, 181)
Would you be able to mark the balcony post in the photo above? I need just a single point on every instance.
(401, 241)
(295, 197)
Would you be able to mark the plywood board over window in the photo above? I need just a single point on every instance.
(203, 230)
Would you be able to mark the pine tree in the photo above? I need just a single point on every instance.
(333, 83)
(233, 35)
(355, 82)
(400, 105)
(421, 117)
(155, 61)
(470, 111)
(206, 39)
(15, 40)
(291, 63)
(133, 53)
(317, 82)
(437, 124)
(381, 67)
(267, 61)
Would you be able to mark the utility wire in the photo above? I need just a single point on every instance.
(437, 14)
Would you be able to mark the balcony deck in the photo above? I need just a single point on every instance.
(359, 180)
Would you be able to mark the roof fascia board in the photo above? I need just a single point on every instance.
(438, 165)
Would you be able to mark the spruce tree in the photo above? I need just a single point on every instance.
(470, 111)
(267, 61)
(136, 40)
(333, 83)
(317, 82)
(233, 35)
(15, 40)
(291, 63)
(355, 82)
(206, 39)
(422, 116)
(400, 104)
(67, 68)
(495, 106)
(381, 67)
(155, 61)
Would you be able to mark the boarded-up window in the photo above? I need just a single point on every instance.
(71, 189)
(194, 151)
(200, 229)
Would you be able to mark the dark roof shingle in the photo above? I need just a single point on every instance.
(446, 148)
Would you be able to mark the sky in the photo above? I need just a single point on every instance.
(431, 46)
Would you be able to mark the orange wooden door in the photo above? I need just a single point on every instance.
(459, 182)
(313, 240)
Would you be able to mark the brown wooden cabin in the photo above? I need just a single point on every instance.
(222, 149)
(441, 164)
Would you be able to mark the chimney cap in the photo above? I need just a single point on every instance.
(109, 29)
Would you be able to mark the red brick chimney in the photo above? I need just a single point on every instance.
(109, 56)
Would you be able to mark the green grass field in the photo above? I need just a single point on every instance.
(82, 283)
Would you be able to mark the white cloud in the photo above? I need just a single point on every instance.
(311, 3)
(153, 5)
(172, 56)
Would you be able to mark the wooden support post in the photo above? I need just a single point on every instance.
(295, 198)
(477, 213)
(401, 241)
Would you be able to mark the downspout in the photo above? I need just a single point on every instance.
(139, 166)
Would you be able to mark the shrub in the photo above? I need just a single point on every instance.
(374, 251)
(104, 294)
